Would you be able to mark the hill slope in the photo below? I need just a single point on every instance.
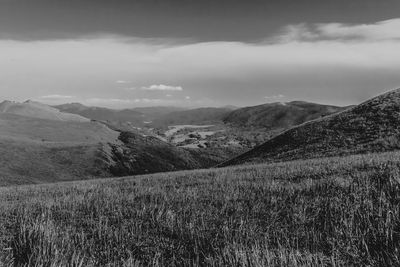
(38, 110)
(275, 116)
(371, 126)
(30, 129)
(341, 211)
(35, 150)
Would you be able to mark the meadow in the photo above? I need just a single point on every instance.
(339, 211)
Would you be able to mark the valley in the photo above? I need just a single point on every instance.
(315, 190)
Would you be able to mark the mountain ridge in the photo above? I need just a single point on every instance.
(279, 115)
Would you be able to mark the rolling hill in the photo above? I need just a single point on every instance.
(45, 131)
(372, 126)
(34, 150)
(38, 110)
(278, 116)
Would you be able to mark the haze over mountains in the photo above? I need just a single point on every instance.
(373, 126)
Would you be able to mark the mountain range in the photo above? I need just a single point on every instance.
(270, 116)
(39, 143)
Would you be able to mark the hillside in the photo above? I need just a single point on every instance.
(369, 127)
(341, 211)
(38, 110)
(37, 150)
(278, 116)
(31, 129)
(34, 150)
(23, 162)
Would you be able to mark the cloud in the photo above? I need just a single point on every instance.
(187, 97)
(130, 88)
(162, 87)
(330, 63)
(379, 31)
(56, 97)
(122, 82)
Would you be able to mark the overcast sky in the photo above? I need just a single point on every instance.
(127, 53)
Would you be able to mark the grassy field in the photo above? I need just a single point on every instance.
(325, 212)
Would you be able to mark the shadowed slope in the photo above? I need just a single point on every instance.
(146, 154)
(371, 126)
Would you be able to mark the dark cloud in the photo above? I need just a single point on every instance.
(201, 20)
(308, 64)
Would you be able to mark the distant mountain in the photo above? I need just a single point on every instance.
(278, 116)
(104, 114)
(154, 112)
(38, 110)
(196, 116)
(369, 127)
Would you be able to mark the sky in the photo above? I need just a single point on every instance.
(192, 53)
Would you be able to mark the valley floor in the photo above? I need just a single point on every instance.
(323, 212)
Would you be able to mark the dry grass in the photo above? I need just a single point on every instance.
(324, 212)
